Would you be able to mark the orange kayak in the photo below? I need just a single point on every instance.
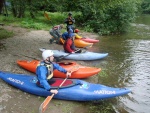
(78, 43)
(82, 72)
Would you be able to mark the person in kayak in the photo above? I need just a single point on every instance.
(56, 33)
(69, 46)
(76, 34)
(44, 71)
(70, 21)
(66, 35)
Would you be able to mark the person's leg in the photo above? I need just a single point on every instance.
(52, 39)
(72, 28)
(51, 81)
(55, 37)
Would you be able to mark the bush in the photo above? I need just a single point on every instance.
(5, 34)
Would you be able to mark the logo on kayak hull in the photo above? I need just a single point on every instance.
(16, 81)
(104, 92)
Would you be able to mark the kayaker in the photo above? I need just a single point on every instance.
(76, 34)
(69, 46)
(65, 35)
(44, 71)
(70, 21)
(56, 33)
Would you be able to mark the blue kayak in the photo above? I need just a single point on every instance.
(87, 55)
(72, 89)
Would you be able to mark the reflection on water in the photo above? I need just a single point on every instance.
(139, 72)
(128, 65)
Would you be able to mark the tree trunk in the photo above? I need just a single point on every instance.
(31, 8)
(14, 11)
(1, 5)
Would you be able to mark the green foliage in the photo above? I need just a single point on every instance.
(108, 17)
(101, 107)
(5, 34)
(103, 74)
(100, 16)
(146, 6)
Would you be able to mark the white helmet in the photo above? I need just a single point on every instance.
(46, 54)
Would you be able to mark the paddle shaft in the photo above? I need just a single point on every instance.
(43, 106)
(25, 56)
(61, 57)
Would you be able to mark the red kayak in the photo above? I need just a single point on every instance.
(82, 72)
(90, 40)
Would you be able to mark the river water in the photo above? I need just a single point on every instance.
(128, 65)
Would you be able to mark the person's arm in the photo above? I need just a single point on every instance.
(73, 20)
(66, 20)
(61, 69)
(77, 36)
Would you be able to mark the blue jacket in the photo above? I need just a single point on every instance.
(42, 73)
(65, 35)
(68, 34)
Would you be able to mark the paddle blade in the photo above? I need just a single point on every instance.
(46, 16)
(44, 105)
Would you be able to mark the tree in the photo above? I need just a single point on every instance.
(1, 5)
(18, 8)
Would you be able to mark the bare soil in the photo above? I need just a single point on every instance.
(27, 42)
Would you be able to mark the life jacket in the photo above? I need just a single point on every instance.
(69, 22)
(50, 69)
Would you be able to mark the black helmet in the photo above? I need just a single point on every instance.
(69, 13)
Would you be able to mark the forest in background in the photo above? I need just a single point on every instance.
(105, 17)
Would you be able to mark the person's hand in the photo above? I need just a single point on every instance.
(68, 74)
(70, 17)
(73, 52)
(54, 91)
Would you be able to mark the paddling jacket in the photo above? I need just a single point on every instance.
(65, 35)
(69, 46)
(44, 72)
(77, 36)
(69, 21)
(56, 30)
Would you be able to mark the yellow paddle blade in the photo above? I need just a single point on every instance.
(62, 41)
(43, 106)
(46, 16)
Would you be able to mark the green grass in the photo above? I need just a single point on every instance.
(5, 34)
(39, 22)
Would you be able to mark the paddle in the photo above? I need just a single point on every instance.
(63, 56)
(44, 105)
(48, 18)
(24, 56)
